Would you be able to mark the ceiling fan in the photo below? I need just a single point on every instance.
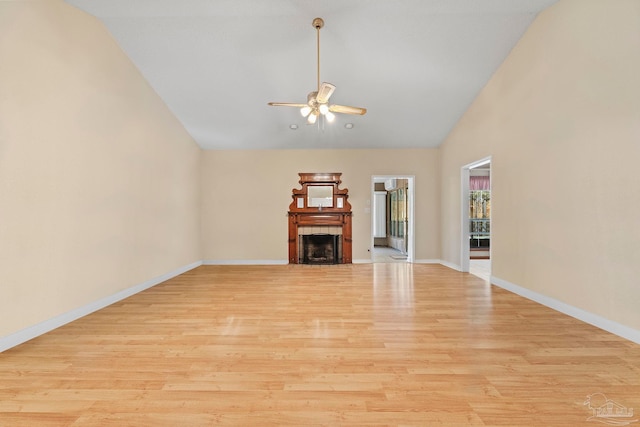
(318, 101)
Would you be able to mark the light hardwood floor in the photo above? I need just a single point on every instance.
(365, 344)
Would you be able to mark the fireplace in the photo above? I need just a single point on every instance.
(320, 249)
(320, 221)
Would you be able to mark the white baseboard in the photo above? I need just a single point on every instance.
(244, 262)
(590, 318)
(279, 262)
(417, 261)
(31, 332)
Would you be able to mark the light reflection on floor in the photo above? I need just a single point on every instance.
(394, 282)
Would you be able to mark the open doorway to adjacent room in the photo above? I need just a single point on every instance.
(392, 218)
(476, 218)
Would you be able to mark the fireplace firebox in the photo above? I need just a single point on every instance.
(320, 249)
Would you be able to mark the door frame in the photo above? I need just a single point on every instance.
(465, 252)
(411, 196)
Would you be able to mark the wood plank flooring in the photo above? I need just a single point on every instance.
(364, 344)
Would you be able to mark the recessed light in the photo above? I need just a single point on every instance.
(348, 125)
(293, 127)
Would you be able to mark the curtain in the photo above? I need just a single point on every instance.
(479, 183)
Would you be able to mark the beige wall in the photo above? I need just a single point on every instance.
(246, 195)
(102, 189)
(561, 120)
(99, 184)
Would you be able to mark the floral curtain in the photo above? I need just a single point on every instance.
(478, 183)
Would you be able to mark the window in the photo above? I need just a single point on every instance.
(398, 212)
(479, 214)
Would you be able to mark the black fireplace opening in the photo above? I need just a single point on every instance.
(320, 249)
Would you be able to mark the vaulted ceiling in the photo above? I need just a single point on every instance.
(416, 65)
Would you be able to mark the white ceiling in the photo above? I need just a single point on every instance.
(416, 65)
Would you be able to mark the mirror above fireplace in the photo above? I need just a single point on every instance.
(319, 196)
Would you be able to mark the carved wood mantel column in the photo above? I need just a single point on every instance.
(320, 203)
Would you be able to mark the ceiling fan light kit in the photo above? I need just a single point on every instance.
(318, 101)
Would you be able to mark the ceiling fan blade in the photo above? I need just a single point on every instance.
(324, 92)
(286, 104)
(345, 109)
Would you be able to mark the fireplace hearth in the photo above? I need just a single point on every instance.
(320, 249)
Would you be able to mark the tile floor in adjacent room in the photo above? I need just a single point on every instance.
(480, 268)
(387, 254)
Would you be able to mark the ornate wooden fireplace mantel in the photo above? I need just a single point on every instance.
(320, 204)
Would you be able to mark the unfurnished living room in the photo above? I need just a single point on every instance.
(257, 213)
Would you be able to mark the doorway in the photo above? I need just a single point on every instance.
(476, 218)
(392, 218)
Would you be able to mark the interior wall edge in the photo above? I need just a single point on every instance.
(450, 265)
(41, 328)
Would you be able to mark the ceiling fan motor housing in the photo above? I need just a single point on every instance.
(311, 99)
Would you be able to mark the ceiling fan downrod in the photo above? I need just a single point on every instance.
(317, 24)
